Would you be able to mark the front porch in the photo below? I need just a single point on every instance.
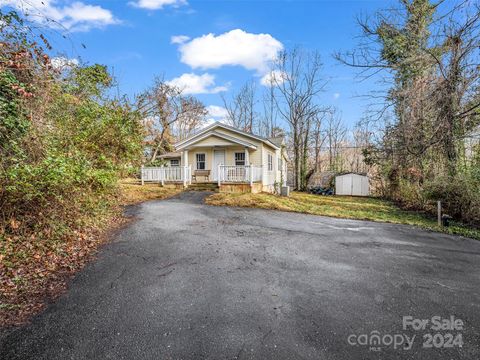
(228, 178)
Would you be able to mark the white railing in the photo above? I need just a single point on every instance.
(239, 174)
(167, 174)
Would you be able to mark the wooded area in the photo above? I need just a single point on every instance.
(64, 143)
(429, 121)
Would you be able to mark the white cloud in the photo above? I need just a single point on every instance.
(273, 78)
(72, 16)
(236, 47)
(197, 84)
(157, 4)
(179, 39)
(60, 62)
(336, 95)
(217, 112)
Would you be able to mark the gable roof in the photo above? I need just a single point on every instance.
(209, 131)
(203, 135)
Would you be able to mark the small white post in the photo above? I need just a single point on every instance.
(141, 175)
(184, 176)
(439, 213)
(218, 174)
(251, 175)
(162, 174)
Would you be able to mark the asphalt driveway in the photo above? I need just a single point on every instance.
(190, 281)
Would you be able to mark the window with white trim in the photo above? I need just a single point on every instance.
(270, 162)
(239, 159)
(200, 161)
(174, 162)
(280, 164)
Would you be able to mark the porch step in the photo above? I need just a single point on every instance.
(203, 187)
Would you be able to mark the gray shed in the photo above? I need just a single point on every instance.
(352, 184)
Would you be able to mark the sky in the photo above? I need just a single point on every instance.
(209, 48)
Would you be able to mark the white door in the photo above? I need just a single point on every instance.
(218, 158)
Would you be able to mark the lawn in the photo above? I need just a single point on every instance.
(347, 207)
(132, 191)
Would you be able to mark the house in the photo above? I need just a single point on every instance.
(233, 159)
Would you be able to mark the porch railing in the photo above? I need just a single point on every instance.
(239, 174)
(169, 174)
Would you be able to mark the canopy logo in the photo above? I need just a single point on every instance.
(437, 332)
(375, 341)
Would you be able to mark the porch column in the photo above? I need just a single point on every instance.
(247, 157)
(185, 170)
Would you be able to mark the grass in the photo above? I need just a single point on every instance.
(347, 207)
(132, 191)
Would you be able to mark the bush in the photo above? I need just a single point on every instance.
(460, 195)
(59, 171)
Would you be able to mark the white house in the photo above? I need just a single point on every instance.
(223, 155)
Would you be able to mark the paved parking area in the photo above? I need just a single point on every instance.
(190, 281)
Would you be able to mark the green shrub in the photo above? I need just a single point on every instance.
(59, 166)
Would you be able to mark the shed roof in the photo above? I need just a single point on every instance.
(352, 173)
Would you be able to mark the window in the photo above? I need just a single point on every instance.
(174, 162)
(200, 161)
(239, 158)
(280, 164)
(270, 162)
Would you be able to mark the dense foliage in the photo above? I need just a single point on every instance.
(64, 142)
(431, 119)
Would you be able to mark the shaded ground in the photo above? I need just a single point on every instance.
(190, 281)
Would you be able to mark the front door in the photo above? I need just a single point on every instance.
(218, 158)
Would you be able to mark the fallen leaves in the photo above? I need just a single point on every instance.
(35, 268)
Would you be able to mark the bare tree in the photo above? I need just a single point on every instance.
(335, 136)
(361, 141)
(190, 117)
(168, 116)
(318, 138)
(297, 78)
(241, 108)
(270, 112)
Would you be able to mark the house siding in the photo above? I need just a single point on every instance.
(239, 136)
(213, 141)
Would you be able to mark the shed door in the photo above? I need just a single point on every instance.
(357, 185)
(343, 185)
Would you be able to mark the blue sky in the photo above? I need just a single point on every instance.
(135, 40)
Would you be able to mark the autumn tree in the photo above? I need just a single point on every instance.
(169, 116)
